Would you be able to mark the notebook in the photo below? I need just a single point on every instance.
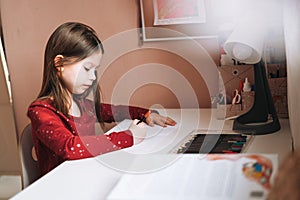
(197, 176)
(157, 139)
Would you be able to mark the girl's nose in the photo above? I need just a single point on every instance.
(92, 75)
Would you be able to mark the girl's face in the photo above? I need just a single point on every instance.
(78, 77)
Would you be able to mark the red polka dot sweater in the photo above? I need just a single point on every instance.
(58, 138)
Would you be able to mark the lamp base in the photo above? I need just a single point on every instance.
(262, 117)
(261, 128)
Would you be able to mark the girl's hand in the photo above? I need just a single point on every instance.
(163, 121)
(138, 131)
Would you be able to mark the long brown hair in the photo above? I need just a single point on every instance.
(74, 41)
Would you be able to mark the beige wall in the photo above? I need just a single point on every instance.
(27, 25)
(9, 160)
(292, 40)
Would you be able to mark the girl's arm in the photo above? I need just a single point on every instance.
(116, 113)
(111, 113)
(59, 134)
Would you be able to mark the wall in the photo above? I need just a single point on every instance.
(292, 41)
(9, 160)
(28, 24)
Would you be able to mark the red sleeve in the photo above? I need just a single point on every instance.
(111, 113)
(58, 133)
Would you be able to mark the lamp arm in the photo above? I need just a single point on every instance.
(263, 107)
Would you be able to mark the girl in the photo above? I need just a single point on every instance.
(63, 116)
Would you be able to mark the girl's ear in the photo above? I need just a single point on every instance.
(58, 61)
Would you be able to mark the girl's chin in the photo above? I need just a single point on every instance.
(79, 92)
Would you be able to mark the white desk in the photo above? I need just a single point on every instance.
(94, 178)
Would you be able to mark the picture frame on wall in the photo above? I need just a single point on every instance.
(167, 12)
(176, 24)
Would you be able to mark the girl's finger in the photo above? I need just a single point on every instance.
(170, 121)
(161, 122)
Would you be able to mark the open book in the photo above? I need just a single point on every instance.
(198, 176)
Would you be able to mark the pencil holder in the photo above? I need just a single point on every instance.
(231, 110)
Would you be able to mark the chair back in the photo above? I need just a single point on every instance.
(30, 171)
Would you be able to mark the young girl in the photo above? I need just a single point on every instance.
(63, 116)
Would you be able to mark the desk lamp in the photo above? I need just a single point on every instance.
(245, 44)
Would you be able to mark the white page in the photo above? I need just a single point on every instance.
(157, 137)
(195, 177)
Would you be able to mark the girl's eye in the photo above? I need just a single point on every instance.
(87, 68)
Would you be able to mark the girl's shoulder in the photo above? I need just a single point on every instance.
(44, 108)
(44, 102)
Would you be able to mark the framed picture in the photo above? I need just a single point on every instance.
(162, 20)
(178, 12)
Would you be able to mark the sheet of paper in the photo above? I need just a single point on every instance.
(209, 177)
(157, 137)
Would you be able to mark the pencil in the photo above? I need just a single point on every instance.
(144, 117)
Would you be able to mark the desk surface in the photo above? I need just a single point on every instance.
(93, 178)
